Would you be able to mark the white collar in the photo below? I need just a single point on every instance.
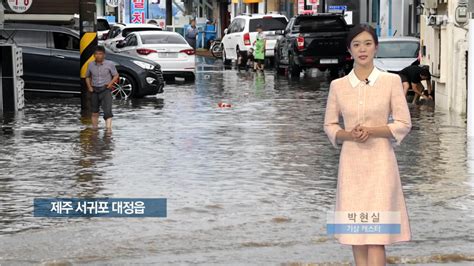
(372, 77)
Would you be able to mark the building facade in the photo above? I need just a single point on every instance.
(47, 10)
(389, 17)
(444, 49)
(54, 11)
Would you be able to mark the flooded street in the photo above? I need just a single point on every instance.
(249, 184)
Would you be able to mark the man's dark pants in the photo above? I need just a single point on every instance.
(102, 97)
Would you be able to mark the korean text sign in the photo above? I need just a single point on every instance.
(138, 11)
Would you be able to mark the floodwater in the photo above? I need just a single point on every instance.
(246, 185)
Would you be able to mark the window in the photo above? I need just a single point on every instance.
(268, 24)
(30, 38)
(231, 25)
(131, 41)
(65, 41)
(115, 31)
(375, 11)
(236, 25)
(162, 39)
(126, 32)
(314, 24)
(401, 49)
(241, 25)
(102, 24)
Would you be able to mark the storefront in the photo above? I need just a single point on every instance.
(284, 7)
(54, 12)
(46, 10)
(247, 7)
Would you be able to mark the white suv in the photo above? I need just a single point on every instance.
(242, 32)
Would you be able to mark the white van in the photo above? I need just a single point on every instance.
(242, 33)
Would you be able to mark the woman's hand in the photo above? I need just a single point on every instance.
(359, 133)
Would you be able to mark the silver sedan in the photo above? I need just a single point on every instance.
(396, 53)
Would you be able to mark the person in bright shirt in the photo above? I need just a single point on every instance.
(259, 52)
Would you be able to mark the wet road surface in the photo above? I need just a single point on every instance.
(249, 184)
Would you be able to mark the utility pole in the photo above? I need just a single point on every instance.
(88, 29)
(169, 12)
(119, 11)
(2, 20)
(2, 15)
(470, 74)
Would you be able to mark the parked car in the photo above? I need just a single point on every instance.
(119, 31)
(170, 49)
(51, 62)
(396, 53)
(314, 41)
(103, 28)
(242, 33)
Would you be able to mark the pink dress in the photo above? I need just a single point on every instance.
(368, 176)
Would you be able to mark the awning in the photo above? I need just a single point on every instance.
(251, 1)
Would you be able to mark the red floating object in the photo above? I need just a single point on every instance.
(224, 105)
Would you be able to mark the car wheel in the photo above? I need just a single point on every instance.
(216, 50)
(237, 52)
(277, 65)
(190, 77)
(270, 61)
(125, 87)
(293, 69)
(224, 57)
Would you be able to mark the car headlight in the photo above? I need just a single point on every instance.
(150, 80)
(143, 65)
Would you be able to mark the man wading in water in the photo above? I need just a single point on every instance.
(100, 78)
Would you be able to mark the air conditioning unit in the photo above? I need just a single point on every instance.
(441, 20)
(431, 3)
(431, 20)
(437, 20)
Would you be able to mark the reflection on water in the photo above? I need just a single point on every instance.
(248, 184)
(94, 151)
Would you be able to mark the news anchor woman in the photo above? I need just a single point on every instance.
(368, 174)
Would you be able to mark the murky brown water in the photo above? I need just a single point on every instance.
(248, 184)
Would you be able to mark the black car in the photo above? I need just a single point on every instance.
(314, 41)
(51, 62)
